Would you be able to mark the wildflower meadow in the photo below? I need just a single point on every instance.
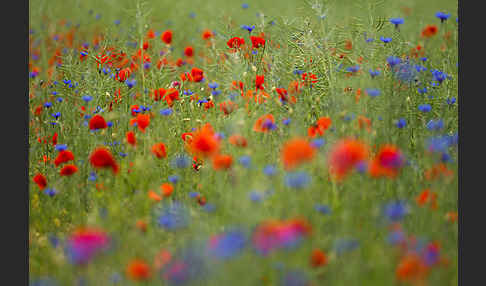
(296, 143)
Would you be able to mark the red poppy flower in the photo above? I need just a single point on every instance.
(259, 80)
(123, 74)
(130, 136)
(260, 124)
(167, 189)
(387, 162)
(171, 95)
(312, 77)
(235, 42)
(227, 107)
(159, 150)
(142, 120)
(207, 34)
(97, 122)
(295, 152)
(257, 42)
(238, 140)
(189, 51)
(197, 74)
(411, 268)
(63, 157)
(222, 162)
(68, 170)
(345, 155)
(102, 158)
(159, 94)
(204, 142)
(318, 258)
(40, 180)
(54, 139)
(429, 31)
(150, 34)
(320, 127)
(166, 37)
(138, 270)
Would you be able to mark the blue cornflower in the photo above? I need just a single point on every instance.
(396, 237)
(435, 124)
(53, 240)
(286, 121)
(66, 81)
(47, 104)
(385, 40)
(106, 71)
(122, 154)
(188, 92)
(393, 61)
(193, 195)
(269, 170)
(92, 176)
(343, 245)
(298, 71)
(373, 92)
(446, 158)
(61, 147)
(442, 16)
(353, 68)
(424, 59)
(441, 143)
(439, 75)
(369, 40)
(323, 209)
(208, 207)
(420, 68)
(269, 125)
(405, 72)
(166, 112)
(256, 196)
(374, 73)
(294, 278)
(45, 281)
(216, 92)
(401, 123)
(180, 161)
(248, 28)
(174, 179)
(213, 85)
(317, 143)
(59, 99)
(116, 278)
(395, 211)
(244, 6)
(54, 93)
(130, 83)
(451, 100)
(109, 124)
(425, 107)
(219, 135)
(117, 22)
(173, 216)
(396, 21)
(228, 244)
(87, 98)
(56, 115)
(422, 90)
(50, 192)
(245, 161)
(297, 180)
